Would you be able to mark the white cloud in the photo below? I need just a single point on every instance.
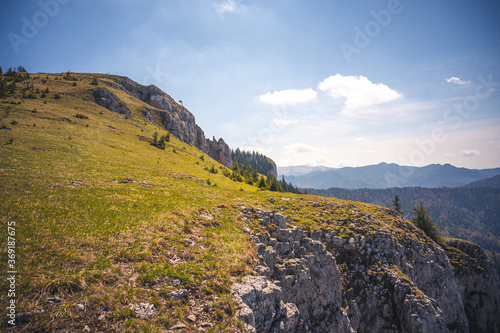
(466, 152)
(284, 122)
(358, 91)
(226, 6)
(457, 80)
(298, 148)
(289, 96)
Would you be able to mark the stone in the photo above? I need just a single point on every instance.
(179, 325)
(143, 310)
(191, 318)
(279, 220)
(80, 307)
(206, 324)
(86, 329)
(181, 293)
(207, 306)
(53, 300)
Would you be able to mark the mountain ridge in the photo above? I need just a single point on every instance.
(386, 175)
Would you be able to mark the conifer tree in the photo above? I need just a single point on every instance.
(423, 220)
(262, 182)
(274, 184)
(161, 142)
(396, 205)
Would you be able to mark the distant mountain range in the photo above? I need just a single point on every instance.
(383, 176)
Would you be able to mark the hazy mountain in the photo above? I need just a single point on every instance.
(300, 170)
(488, 182)
(385, 175)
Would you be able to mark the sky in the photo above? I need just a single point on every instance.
(324, 82)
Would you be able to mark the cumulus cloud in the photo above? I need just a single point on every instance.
(298, 148)
(457, 80)
(358, 91)
(467, 153)
(289, 96)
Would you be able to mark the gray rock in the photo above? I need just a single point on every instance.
(181, 293)
(53, 300)
(143, 310)
(110, 101)
(179, 325)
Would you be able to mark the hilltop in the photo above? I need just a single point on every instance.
(118, 229)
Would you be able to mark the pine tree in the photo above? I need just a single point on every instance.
(396, 205)
(161, 142)
(274, 184)
(423, 220)
(155, 138)
(262, 182)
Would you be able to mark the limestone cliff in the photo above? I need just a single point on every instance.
(164, 111)
(369, 272)
(476, 278)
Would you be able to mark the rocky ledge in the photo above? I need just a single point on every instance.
(384, 280)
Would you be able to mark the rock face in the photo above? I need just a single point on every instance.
(359, 278)
(306, 293)
(110, 101)
(165, 112)
(478, 283)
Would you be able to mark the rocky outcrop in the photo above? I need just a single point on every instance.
(478, 283)
(165, 112)
(110, 101)
(298, 278)
(363, 276)
(176, 119)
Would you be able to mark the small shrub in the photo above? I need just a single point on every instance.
(10, 141)
(13, 122)
(57, 96)
(74, 84)
(81, 116)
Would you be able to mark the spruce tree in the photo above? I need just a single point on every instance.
(396, 205)
(262, 182)
(423, 220)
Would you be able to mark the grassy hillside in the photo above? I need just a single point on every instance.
(104, 221)
(98, 211)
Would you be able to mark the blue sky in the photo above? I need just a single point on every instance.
(334, 83)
